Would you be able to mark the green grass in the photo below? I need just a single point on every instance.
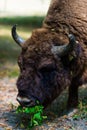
(9, 50)
(31, 21)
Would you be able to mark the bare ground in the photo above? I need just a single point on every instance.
(9, 120)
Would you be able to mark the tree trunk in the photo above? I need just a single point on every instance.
(70, 16)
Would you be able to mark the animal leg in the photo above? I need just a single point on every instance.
(73, 95)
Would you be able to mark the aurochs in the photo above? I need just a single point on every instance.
(49, 62)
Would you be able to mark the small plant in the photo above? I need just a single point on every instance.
(35, 114)
(76, 117)
(82, 110)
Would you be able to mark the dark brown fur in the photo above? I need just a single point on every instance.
(44, 75)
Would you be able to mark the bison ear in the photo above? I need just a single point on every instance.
(64, 49)
(15, 36)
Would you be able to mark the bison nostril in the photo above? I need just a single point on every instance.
(25, 101)
(18, 99)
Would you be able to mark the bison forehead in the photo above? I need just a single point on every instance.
(42, 47)
(41, 41)
(45, 37)
(37, 52)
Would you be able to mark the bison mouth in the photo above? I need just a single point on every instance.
(26, 102)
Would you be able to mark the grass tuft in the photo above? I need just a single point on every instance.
(82, 110)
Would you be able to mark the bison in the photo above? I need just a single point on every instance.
(50, 61)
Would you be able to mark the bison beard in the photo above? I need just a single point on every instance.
(50, 61)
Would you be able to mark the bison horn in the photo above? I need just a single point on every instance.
(17, 38)
(64, 49)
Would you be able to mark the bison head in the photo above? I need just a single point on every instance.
(42, 72)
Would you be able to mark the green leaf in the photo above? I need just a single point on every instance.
(37, 116)
(76, 117)
(35, 123)
(19, 109)
(44, 117)
(30, 110)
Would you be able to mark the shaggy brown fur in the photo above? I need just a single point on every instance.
(44, 75)
(70, 16)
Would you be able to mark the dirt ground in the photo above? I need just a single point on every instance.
(10, 121)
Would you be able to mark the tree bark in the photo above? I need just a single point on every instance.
(70, 16)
